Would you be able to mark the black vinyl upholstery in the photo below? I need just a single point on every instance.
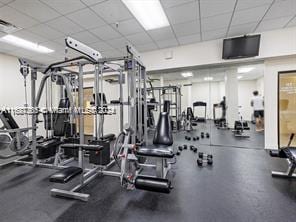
(163, 139)
(163, 134)
(65, 175)
(153, 151)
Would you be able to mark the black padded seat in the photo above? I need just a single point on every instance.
(156, 151)
(108, 137)
(65, 175)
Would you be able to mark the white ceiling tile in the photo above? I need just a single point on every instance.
(139, 38)
(86, 18)
(189, 39)
(45, 31)
(270, 24)
(92, 2)
(119, 43)
(281, 9)
(216, 34)
(161, 34)
(11, 15)
(215, 22)
(183, 13)
(236, 30)
(244, 4)
(27, 35)
(6, 1)
(85, 37)
(172, 3)
(167, 43)
(105, 32)
(292, 22)
(101, 46)
(188, 28)
(128, 27)
(24, 53)
(113, 53)
(65, 25)
(112, 11)
(216, 7)
(249, 15)
(7, 47)
(65, 7)
(58, 48)
(35, 9)
(147, 47)
(60, 41)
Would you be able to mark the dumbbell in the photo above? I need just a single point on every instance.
(194, 149)
(209, 156)
(191, 147)
(178, 153)
(186, 137)
(210, 161)
(200, 154)
(207, 135)
(185, 147)
(180, 148)
(199, 162)
(202, 135)
(194, 138)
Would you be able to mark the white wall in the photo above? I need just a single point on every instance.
(245, 94)
(260, 85)
(273, 44)
(272, 67)
(12, 91)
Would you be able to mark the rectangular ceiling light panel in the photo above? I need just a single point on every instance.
(16, 41)
(149, 13)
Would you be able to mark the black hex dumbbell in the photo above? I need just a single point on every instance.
(180, 148)
(207, 135)
(199, 162)
(194, 149)
(185, 147)
(200, 154)
(178, 153)
(202, 135)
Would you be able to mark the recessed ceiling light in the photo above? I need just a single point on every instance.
(187, 74)
(239, 77)
(244, 69)
(13, 40)
(208, 78)
(150, 13)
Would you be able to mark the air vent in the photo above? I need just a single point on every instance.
(7, 27)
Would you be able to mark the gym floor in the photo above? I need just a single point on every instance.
(238, 187)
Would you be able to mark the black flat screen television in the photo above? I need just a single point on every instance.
(241, 47)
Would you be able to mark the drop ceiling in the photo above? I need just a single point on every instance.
(218, 74)
(107, 25)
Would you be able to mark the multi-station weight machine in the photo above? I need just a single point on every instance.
(171, 93)
(130, 149)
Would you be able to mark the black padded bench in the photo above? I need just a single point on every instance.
(153, 151)
(83, 146)
(65, 175)
(108, 137)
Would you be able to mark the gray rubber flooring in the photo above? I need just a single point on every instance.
(238, 187)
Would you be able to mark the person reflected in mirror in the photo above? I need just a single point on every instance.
(257, 103)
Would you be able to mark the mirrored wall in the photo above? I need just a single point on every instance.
(222, 101)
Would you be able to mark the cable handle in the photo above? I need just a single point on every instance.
(291, 139)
